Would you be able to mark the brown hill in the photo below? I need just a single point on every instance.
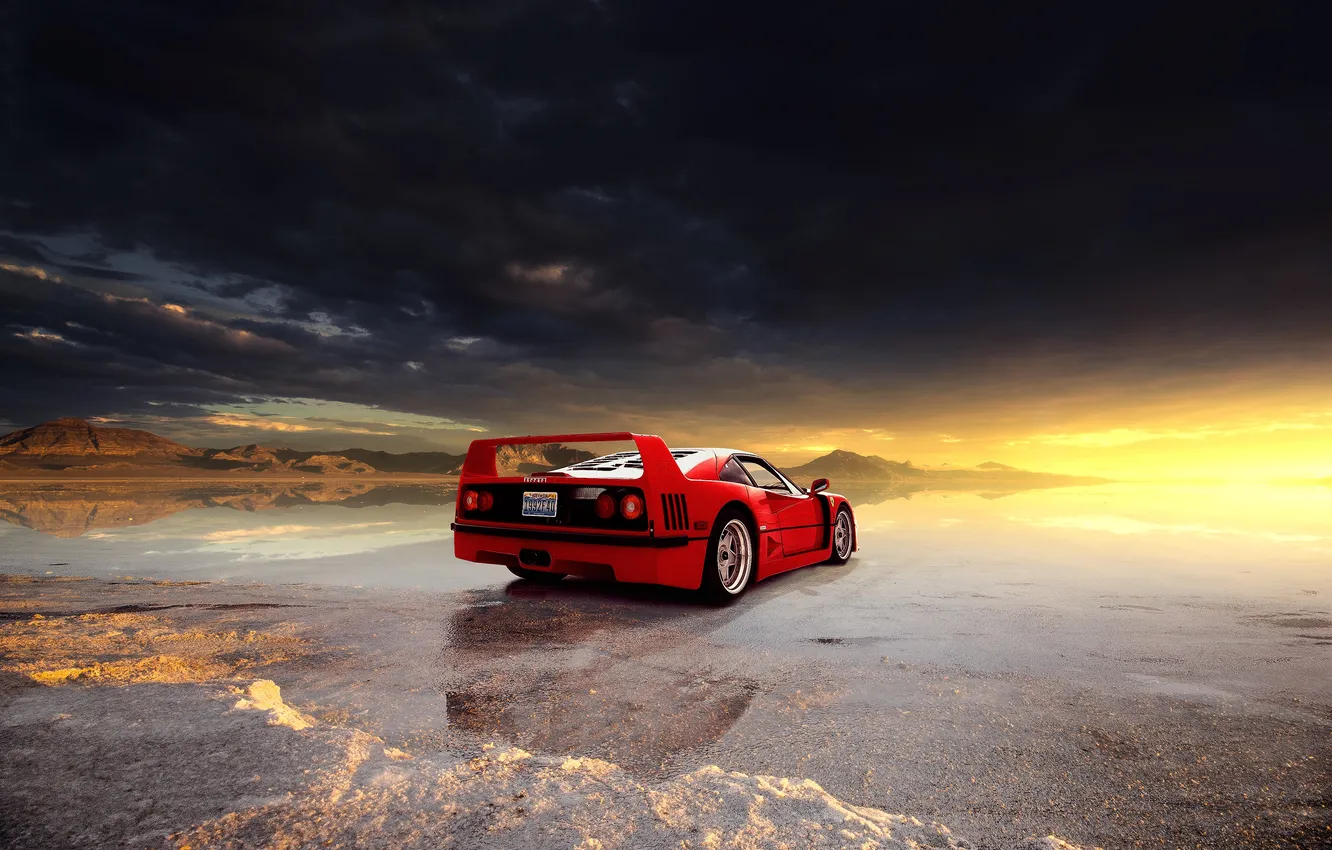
(329, 465)
(244, 454)
(80, 438)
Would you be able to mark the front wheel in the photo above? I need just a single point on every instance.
(537, 576)
(844, 536)
(730, 564)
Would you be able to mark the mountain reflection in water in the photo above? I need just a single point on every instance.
(75, 509)
(327, 532)
(1244, 540)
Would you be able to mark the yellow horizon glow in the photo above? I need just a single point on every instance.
(1287, 447)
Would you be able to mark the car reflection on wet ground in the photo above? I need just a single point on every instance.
(1148, 736)
(627, 670)
(617, 670)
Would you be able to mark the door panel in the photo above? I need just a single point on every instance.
(802, 528)
(799, 515)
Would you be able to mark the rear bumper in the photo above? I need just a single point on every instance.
(675, 561)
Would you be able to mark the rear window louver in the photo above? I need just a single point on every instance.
(675, 511)
(622, 460)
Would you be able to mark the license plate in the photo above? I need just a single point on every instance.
(540, 504)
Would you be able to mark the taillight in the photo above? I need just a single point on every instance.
(605, 506)
(478, 500)
(631, 507)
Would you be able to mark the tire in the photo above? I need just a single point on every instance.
(537, 576)
(843, 546)
(732, 556)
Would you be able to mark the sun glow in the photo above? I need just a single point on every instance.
(1288, 446)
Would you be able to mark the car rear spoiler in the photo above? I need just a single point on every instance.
(659, 466)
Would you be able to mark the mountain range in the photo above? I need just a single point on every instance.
(78, 446)
(845, 467)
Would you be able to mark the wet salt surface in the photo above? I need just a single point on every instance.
(1109, 666)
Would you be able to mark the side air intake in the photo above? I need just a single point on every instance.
(675, 511)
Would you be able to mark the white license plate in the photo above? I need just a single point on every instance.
(540, 504)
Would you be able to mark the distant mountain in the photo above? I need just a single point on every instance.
(252, 453)
(841, 465)
(330, 465)
(440, 463)
(989, 464)
(75, 445)
(256, 458)
(80, 438)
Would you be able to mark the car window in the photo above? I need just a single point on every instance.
(763, 476)
(734, 473)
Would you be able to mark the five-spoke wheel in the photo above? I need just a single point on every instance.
(730, 563)
(843, 537)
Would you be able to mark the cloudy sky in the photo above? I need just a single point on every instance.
(1079, 237)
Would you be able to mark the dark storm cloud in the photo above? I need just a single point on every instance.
(20, 249)
(99, 273)
(574, 200)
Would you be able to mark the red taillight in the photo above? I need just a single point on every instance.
(631, 507)
(478, 500)
(605, 506)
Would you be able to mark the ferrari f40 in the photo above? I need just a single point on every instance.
(712, 520)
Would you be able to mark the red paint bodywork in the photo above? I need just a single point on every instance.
(791, 531)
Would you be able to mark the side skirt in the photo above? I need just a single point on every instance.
(794, 562)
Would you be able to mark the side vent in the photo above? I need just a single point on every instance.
(675, 511)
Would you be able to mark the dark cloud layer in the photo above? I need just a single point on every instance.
(623, 205)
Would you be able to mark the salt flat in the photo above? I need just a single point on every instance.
(1071, 663)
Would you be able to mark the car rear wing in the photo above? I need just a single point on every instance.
(660, 471)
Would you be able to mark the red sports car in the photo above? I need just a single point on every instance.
(714, 520)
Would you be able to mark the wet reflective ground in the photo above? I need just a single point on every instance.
(1115, 665)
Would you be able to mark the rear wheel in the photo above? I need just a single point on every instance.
(843, 536)
(538, 576)
(729, 567)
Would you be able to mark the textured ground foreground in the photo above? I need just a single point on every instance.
(141, 713)
(315, 785)
(156, 732)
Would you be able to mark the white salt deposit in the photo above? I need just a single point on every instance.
(264, 695)
(372, 796)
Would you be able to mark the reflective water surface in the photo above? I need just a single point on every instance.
(1119, 664)
(345, 533)
(1198, 540)
(1224, 540)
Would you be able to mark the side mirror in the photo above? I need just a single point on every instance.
(819, 485)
